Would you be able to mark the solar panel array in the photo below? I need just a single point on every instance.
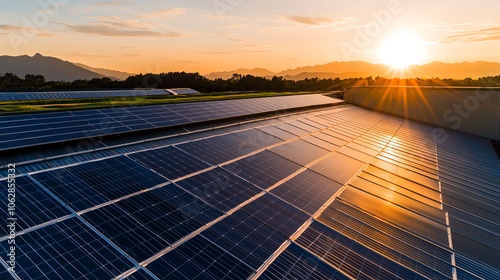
(47, 128)
(182, 91)
(340, 193)
(25, 96)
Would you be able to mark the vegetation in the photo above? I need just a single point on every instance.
(245, 83)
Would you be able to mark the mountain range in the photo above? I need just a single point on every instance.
(55, 69)
(353, 69)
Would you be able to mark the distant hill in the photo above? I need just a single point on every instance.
(54, 69)
(355, 69)
(113, 74)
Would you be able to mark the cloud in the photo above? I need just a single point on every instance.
(165, 13)
(106, 30)
(113, 26)
(467, 32)
(472, 36)
(318, 21)
(14, 28)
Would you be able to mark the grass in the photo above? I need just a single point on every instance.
(72, 104)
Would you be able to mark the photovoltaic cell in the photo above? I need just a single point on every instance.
(264, 169)
(218, 149)
(245, 238)
(338, 167)
(219, 188)
(170, 162)
(199, 258)
(66, 250)
(320, 143)
(35, 206)
(147, 223)
(307, 191)
(300, 152)
(276, 214)
(275, 131)
(297, 263)
(90, 184)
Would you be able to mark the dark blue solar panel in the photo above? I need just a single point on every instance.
(276, 214)
(263, 169)
(297, 263)
(66, 250)
(245, 238)
(147, 223)
(90, 184)
(34, 205)
(307, 191)
(170, 162)
(220, 188)
(218, 149)
(4, 274)
(199, 258)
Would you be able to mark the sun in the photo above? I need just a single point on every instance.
(402, 51)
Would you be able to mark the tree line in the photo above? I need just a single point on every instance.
(198, 82)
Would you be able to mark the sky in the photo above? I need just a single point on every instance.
(217, 35)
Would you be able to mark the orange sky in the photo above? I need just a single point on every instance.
(216, 35)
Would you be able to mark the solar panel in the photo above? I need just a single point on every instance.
(36, 206)
(307, 191)
(170, 162)
(220, 188)
(98, 123)
(251, 168)
(198, 258)
(297, 263)
(351, 257)
(245, 238)
(69, 249)
(147, 223)
(338, 167)
(90, 184)
(276, 214)
(300, 152)
(25, 96)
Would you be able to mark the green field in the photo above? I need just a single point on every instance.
(73, 104)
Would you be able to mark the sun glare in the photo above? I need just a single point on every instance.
(402, 51)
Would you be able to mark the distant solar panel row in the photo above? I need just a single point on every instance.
(175, 213)
(31, 130)
(25, 96)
